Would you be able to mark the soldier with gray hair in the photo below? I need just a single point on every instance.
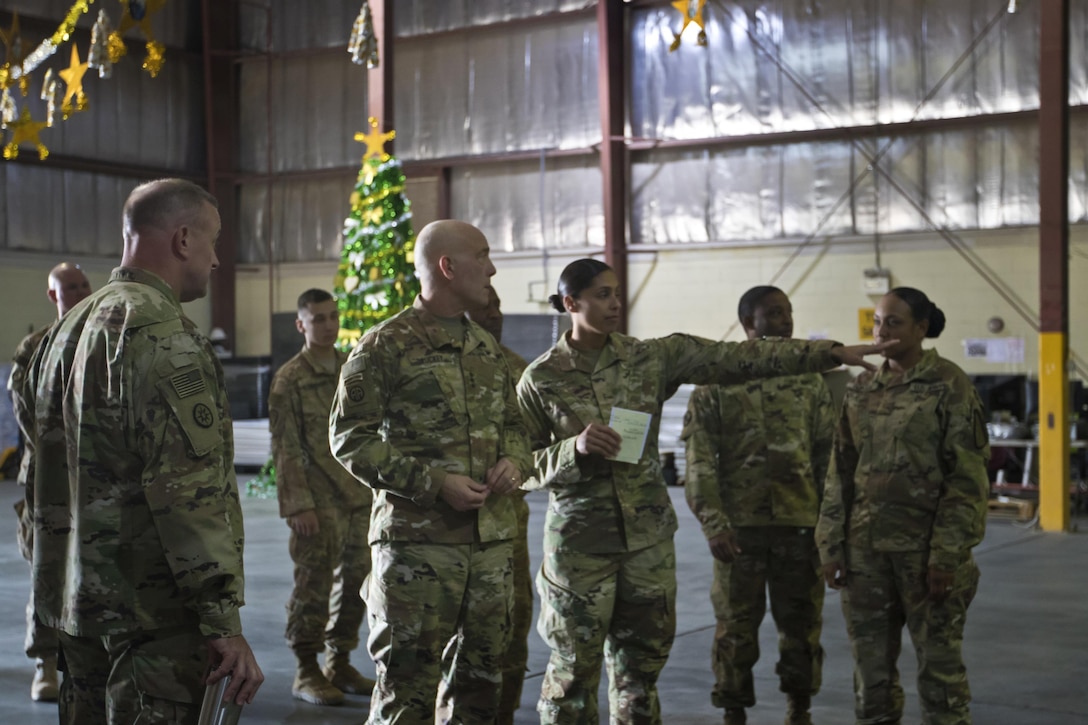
(904, 505)
(425, 415)
(137, 522)
(757, 454)
(68, 285)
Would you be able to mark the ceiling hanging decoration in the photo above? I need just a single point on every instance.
(106, 48)
(692, 12)
(363, 44)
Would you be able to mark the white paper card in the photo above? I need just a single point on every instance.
(632, 425)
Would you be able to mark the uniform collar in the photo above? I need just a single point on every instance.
(615, 349)
(316, 367)
(437, 335)
(142, 276)
(925, 369)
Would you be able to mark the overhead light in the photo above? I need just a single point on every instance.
(1012, 6)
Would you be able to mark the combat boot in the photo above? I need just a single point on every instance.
(736, 716)
(312, 686)
(44, 686)
(797, 710)
(344, 676)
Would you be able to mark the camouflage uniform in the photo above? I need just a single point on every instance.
(331, 565)
(41, 641)
(137, 523)
(517, 654)
(757, 455)
(907, 490)
(609, 575)
(413, 404)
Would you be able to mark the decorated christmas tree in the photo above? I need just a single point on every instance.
(376, 278)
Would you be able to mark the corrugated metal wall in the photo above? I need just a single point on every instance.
(465, 89)
(132, 119)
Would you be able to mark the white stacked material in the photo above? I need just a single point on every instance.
(252, 442)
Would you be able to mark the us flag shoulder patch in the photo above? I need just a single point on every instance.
(190, 383)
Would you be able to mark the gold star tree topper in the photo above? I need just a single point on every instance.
(375, 141)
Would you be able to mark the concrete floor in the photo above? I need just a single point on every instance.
(1026, 644)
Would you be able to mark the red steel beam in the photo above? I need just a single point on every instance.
(379, 81)
(611, 81)
(220, 33)
(1054, 166)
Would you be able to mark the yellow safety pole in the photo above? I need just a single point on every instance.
(1053, 432)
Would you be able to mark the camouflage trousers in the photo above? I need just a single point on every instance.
(780, 562)
(41, 641)
(439, 619)
(143, 677)
(326, 607)
(884, 591)
(517, 654)
(623, 605)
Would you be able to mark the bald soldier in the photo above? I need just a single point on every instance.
(67, 285)
(425, 414)
(137, 522)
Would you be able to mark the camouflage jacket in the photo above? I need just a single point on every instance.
(601, 506)
(908, 470)
(516, 363)
(137, 522)
(307, 475)
(757, 452)
(22, 400)
(413, 403)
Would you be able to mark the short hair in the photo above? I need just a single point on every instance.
(921, 308)
(153, 202)
(312, 297)
(576, 277)
(750, 300)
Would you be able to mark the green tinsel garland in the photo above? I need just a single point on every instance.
(263, 485)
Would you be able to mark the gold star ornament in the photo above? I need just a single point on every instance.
(692, 10)
(25, 130)
(375, 141)
(14, 55)
(138, 14)
(73, 79)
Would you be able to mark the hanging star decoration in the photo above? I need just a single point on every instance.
(137, 14)
(13, 55)
(696, 17)
(25, 130)
(73, 79)
(16, 72)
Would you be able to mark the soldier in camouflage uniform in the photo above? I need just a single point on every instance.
(325, 507)
(904, 505)
(609, 576)
(137, 522)
(67, 287)
(756, 458)
(517, 654)
(426, 416)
